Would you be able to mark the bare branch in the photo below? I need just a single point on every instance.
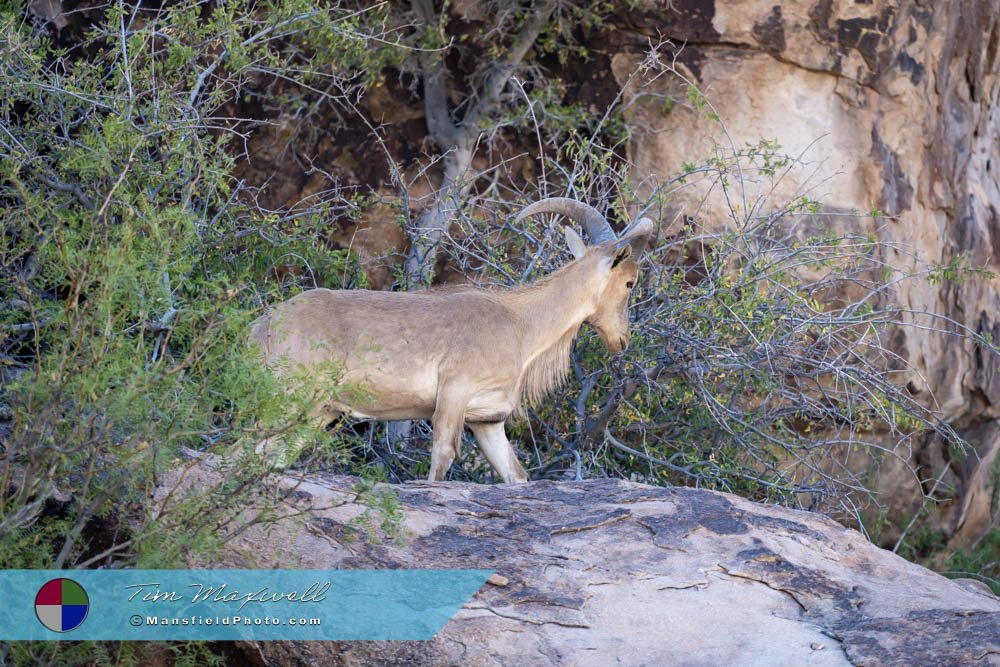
(458, 144)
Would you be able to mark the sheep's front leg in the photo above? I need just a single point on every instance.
(447, 422)
(498, 451)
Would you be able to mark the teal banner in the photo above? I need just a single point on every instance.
(231, 604)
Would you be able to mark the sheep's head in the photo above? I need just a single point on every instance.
(614, 262)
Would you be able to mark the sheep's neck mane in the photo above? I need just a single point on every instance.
(550, 312)
(545, 373)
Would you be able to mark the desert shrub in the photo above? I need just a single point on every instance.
(131, 263)
(980, 561)
(761, 361)
(758, 364)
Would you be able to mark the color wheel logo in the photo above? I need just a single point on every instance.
(61, 605)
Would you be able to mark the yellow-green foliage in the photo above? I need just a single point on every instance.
(132, 262)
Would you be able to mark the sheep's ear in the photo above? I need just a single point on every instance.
(621, 254)
(573, 241)
(638, 235)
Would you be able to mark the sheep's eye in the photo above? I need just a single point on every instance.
(630, 284)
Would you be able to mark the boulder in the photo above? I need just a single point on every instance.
(605, 572)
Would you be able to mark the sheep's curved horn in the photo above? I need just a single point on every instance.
(596, 225)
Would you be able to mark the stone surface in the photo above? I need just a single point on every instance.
(609, 572)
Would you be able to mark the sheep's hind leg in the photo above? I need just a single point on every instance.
(448, 421)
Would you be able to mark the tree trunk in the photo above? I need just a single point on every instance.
(457, 142)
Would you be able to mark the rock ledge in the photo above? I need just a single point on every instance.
(604, 571)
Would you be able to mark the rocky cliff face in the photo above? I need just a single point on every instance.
(890, 106)
(608, 572)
